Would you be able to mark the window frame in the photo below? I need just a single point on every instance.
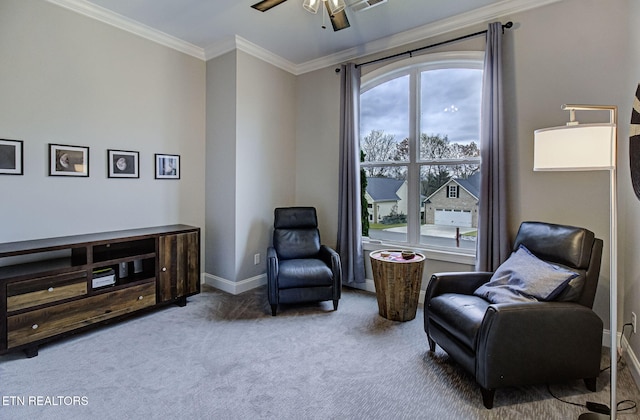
(453, 191)
(414, 66)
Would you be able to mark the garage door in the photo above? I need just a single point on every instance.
(461, 218)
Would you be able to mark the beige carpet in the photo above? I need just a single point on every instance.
(226, 357)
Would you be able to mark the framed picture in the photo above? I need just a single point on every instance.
(167, 166)
(123, 164)
(68, 160)
(11, 158)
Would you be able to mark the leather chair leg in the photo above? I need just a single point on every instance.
(432, 344)
(590, 383)
(335, 304)
(487, 397)
(273, 310)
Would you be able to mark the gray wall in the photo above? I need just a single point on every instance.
(221, 155)
(318, 147)
(251, 164)
(552, 60)
(69, 79)
(629, 232)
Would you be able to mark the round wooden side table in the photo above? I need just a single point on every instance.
(397, 282)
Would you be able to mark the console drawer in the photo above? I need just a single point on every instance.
(46, 322)
(34, 292)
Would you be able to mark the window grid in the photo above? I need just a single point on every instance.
(414, 164)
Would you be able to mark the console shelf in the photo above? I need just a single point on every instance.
(47, 285)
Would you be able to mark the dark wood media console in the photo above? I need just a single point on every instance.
(57, 286)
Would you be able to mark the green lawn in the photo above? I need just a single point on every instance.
(382, 226)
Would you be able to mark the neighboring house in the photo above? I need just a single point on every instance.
(385, 196)
(455, 203)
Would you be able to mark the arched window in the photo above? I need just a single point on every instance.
(419, 138)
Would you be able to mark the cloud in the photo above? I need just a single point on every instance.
(449, 100)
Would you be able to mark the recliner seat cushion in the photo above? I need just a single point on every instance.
(303, 273)
(460, 315)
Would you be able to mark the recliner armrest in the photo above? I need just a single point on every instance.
(527, 343)
(272, 274)
(332, 259)
(271, 253)
(460, 282)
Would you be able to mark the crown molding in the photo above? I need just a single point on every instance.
(464, 20)
(239, 43)
(110, 18)
(478, 16)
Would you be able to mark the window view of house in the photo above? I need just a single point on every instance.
(419, 142)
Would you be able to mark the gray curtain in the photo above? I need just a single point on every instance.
(349, 227)
(492, 245)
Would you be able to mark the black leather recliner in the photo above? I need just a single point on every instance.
(524, 343)
(299, 268)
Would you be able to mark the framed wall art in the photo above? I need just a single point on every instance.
(123, 164)
(68, 160)
(11, 157)
(167, 166)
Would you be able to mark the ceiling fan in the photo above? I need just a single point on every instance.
(335, 9)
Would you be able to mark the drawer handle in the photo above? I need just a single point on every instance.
(50, 289)
(34, 327)
(140, 297)
(164, 268)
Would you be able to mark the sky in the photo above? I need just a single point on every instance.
(450, 102)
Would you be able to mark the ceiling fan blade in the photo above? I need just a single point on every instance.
(265, 5)
(339, 21)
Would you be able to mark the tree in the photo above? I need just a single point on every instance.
(379, 147)
(435, 178)
(364, 211)
(461, 151)
(434, 147)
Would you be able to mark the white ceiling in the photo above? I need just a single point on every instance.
(287, 34)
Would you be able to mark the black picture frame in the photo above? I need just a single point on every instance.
(11, 157)
(123, 164)
(167, 166)
(67, 160)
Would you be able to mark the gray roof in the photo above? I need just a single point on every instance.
(471, 184)
(384, 189)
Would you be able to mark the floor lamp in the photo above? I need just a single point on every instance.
(588, 147)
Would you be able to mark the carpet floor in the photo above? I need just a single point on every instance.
(226, 357)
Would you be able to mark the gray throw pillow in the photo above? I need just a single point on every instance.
(523, 277)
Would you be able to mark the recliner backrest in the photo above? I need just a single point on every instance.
(296, 232)
(566, 245)
(573, 247)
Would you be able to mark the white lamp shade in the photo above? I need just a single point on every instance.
(336, 6)
(582, 147)
(311, 5)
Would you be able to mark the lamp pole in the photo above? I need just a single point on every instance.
(613, 253)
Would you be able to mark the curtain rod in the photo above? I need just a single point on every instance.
(507, 25)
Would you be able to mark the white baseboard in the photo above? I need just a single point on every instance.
(234, 287)
(632, 361)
